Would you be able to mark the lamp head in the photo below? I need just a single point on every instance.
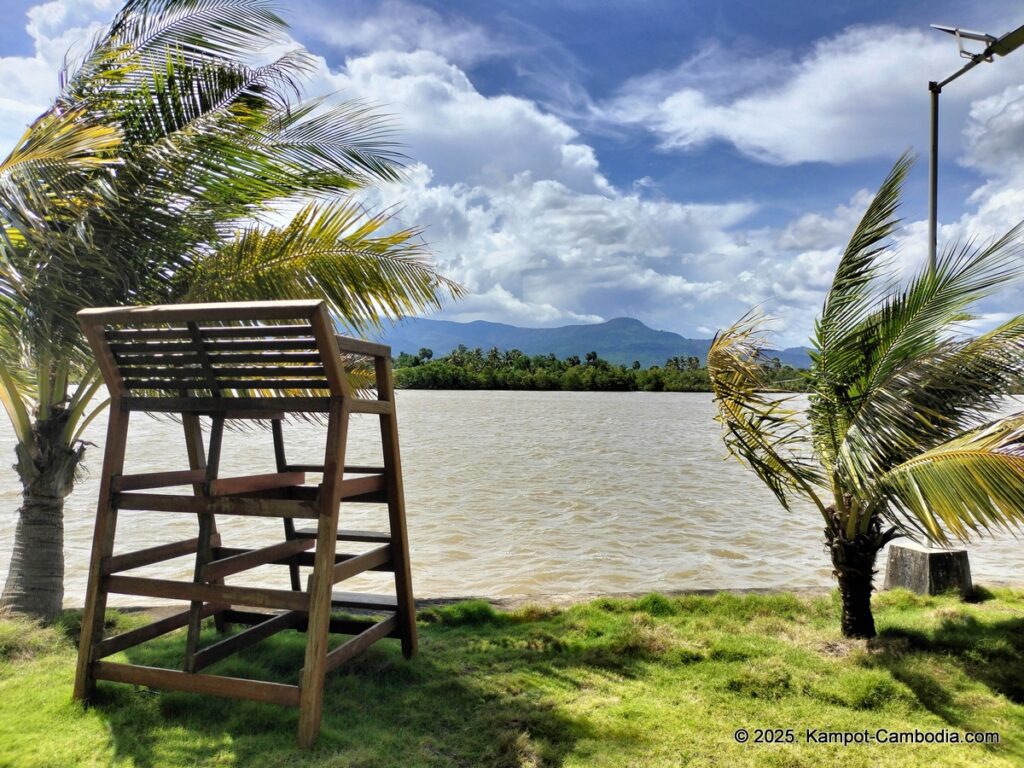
(1011, 41)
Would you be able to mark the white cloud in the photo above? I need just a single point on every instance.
(397, 25)
(995, 132)
(60, 30)
(569, 255)
(462, 135)
(861, 93)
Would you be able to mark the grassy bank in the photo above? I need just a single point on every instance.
(651, 682)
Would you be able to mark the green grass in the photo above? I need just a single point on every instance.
(651, 682)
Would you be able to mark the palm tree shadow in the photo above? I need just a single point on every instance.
(991, 653)
(378, 710)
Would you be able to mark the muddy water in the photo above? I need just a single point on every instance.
(518, 493)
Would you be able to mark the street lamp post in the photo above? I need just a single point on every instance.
(994, 46)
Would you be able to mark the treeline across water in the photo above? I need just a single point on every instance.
(476, 369)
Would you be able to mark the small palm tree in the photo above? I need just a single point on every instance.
(175, 166)
(898, 436)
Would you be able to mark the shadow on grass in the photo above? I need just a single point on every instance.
(478, 694)
(989, 652)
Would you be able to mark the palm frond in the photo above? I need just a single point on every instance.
(844, 330)
(853, 290)
(50, 164)
(350, 138)
(332, 251)
(930, 399)
(144, 31)
(918, 385)
(971, 483)
(761, 429)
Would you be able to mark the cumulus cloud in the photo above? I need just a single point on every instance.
(60, 31)
(397, 25)
(461, 134)
(995, 132)
(569, 255)
(858, 94)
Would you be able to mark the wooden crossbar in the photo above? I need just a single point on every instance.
(186, 590)
(148, 556)
(133, 637)
(361, 347)
(215, 405)
(381, 407)
(375, 537)
(364, 602)
(214, 685)
(360, 642)
(273, 624)
(305, 558)
(251, 558)
(225, 486)
(219, 505)
(157, 480)
(170, 313)
(349, 470)
(364, 562)
(357, 486)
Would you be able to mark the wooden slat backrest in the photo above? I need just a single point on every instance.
(217, 351)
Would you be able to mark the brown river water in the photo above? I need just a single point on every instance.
(516, 494)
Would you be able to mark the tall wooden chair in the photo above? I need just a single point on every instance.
(258, 360)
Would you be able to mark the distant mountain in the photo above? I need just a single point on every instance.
(621, 340)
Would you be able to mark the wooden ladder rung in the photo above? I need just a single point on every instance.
(248, 637)
(373, 537)
(357, 486)
(363, 405)
(225, 486)
(214, 685)
(360, 642)
(250, 558)
(213, 593)
(353, 566)
(364, 601)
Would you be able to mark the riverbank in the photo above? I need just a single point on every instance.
(655, 681)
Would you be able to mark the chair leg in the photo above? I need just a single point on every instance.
(311, 680)
(102, 548)
(281, 460)
(208, 535)
(396, 514)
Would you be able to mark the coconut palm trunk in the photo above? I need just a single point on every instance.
(898, 435)
(35, 579)
(853, 563)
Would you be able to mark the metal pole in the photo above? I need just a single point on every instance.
(933, 179)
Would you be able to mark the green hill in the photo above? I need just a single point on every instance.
(621, 340)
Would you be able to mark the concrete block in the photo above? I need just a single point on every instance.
(928, 571)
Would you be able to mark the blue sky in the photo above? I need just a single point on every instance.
(672, 161)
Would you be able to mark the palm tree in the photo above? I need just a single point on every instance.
(176, 166)
(898, 436)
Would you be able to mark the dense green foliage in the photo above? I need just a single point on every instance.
(654, 682)
(475, 369)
